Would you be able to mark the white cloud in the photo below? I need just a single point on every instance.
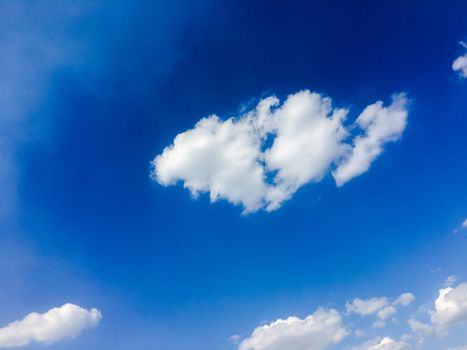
(366, 306)
(460, 65)
(56, 324)
(381, 125)
(316, 332)
(419, 328)
(464, 224)
(389, 344)
(450, 307)
(405, 299)
(385, 343)
(387, 312)
(261, 158)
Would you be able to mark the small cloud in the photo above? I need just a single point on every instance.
(63, 322)
(235, 339)
(378, 324)
(385, 343)
(365, 307)
(460, 63)
(387, 312)
(450, 280)
(405, 299)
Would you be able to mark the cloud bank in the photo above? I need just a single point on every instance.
(331, 329)
(261, 158)
(59, 323)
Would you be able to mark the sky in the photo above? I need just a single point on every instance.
(243, 175)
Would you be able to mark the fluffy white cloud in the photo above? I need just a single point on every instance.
(464, 224)
(57, 323)
(405, 299)
(385, 343)
(380, 125)
(261, 158)
(450, 307)
(460, 65)
(366, 306)
(316, 332)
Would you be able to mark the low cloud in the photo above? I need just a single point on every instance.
(450, 307)
(326, 328)
(385, 343)
(261, 158)
(67, 321)
(318, 331)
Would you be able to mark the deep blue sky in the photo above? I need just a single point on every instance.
(170, 272)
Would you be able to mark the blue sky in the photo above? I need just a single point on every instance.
(92, 92)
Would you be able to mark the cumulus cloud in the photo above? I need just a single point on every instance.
(326, 328)
(450, 307)
(59, 323)
(385, 343)
(261, 158)
(318, 331)
(365, 307)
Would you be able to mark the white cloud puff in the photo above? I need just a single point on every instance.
(385, 343)
(389, 344)
(365, 307)
(58, 323)
(316, 332)
(381, 125)
(450, 307)
(261, 158)
(460, 65)
(405, 299)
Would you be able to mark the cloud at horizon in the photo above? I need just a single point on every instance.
(327, 327)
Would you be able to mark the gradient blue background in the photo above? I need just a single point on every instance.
(114, 81)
